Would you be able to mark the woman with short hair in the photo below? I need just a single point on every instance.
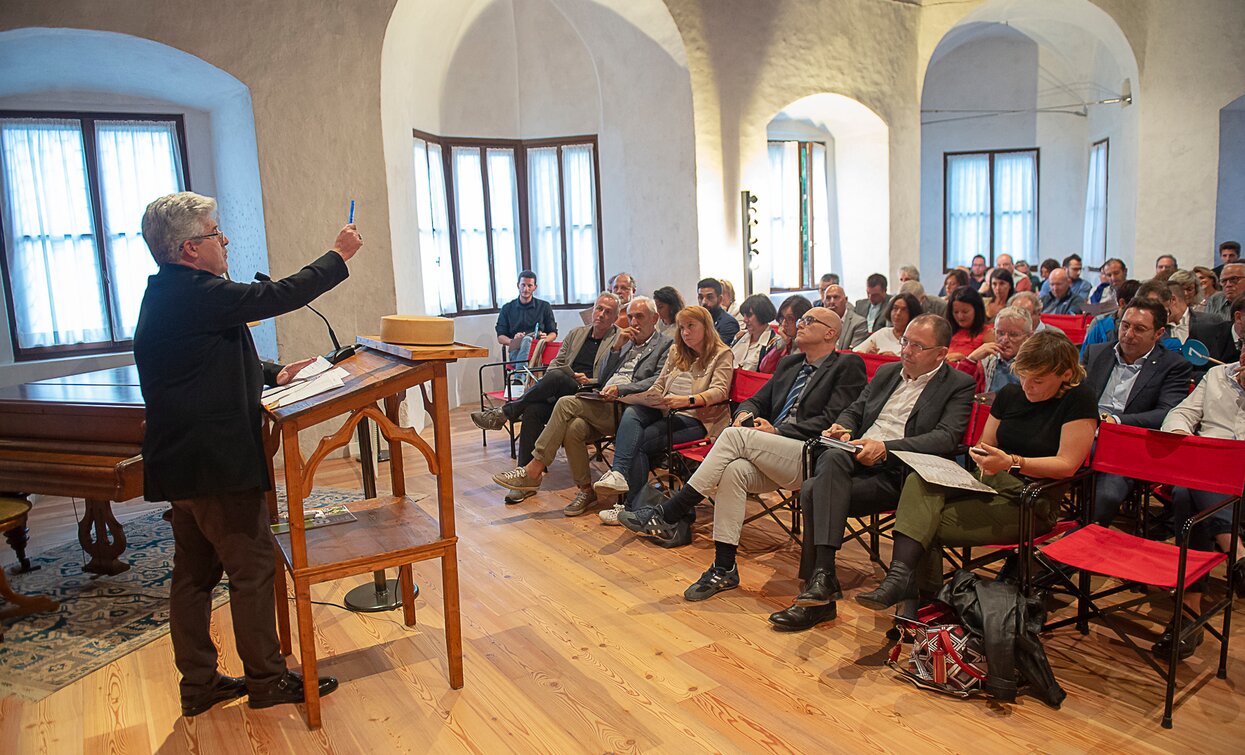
(789, 313)
(756, 312)
(900, 310)
(1042, 428)
(669, 304)
(969, 329)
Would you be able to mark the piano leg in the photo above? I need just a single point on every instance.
(18, 537)
(101, 536)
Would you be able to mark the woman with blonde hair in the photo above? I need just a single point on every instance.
(1040, 429)
(695, 380)
(1208, 286)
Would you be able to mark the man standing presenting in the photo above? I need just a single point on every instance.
(854, 330)
(201, 381)
(521, 318)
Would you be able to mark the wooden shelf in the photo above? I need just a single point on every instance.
(389, 531)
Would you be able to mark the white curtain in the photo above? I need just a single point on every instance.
(433, 222)
(583, 273)
(138, 161)
(58, 292)
(820, 190)
(784, 248)
(1015, 205)
(1094, 250)
(968, 208)
(472, 233)
(545, 222)
(504, 217)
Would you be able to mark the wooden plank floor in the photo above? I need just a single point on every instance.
(576, 639)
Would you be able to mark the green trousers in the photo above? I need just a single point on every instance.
(936, 516)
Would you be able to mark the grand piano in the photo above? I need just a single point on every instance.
(79, 436)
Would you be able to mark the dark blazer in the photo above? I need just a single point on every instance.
(201, 378)
(829, 390)
(862, 309)
(652, 360)
(1162, 383)
(1218, 337)
(938, 420)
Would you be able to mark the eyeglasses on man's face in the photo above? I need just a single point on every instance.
(905, 342)
(807, 320)
(218, 234)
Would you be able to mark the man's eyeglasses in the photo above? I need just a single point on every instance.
(905, 343)
(1232, 280)
(807, 320)
(218, 234)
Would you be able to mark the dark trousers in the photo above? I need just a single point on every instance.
(841, 488)
(213, 535)
(536, 407)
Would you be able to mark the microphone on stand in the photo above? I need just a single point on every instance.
(339, 352)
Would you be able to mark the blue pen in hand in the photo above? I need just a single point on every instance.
(351, 220)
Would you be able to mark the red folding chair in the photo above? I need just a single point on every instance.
(872, 361)
(1076, 326)
(509, 393)
(1209, 464)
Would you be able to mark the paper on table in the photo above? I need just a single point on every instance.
(938, 470)
(326, 382)
(315, 368)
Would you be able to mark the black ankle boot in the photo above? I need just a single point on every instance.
(900, 584)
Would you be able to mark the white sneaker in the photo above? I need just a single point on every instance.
(611, 483)
(610, 515)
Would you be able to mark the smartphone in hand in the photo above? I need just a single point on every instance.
(840, 444)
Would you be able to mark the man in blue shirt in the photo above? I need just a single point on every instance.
(1073, 266)
(521, 319)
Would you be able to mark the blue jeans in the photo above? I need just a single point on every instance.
(518, 350)
(642, 432)
(1110, 490)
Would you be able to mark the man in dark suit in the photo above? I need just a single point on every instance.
(1222, 339)
(1137, 382)
(709, 296)
(632, 365)
(873, 306)
(918, 404)
(761, 452)
(203, 451)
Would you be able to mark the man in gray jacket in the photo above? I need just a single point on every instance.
(632, 364)
(855, 329)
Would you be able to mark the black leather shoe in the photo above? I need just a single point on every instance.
(1238, 577)
(822, 588)
(799, 618)
(1163, 648)
(226, 688)
(899, 584)
(287, 689)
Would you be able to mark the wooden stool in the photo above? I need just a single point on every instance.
(13, 512)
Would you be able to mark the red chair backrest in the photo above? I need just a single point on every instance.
(1076, 326)
(745, 383)
(1211, 464)
(550, 351)
(976, 422)
(873, 362)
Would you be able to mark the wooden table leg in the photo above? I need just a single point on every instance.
(406, 581)
(453, 617)
(102, 537)
(307, 650)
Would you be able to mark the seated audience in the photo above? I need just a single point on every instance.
(789, 313)
(1073, 267)
(582, 356)
(1181, 319)
(908, 273)
(1230, 278)
(1208, 285)
(728, 302)
(1229, 252)
(918, 404)
(623, 286)
(1164, 266)
(1023, 273)
(956, 278)
(1215, 409)
(757, 312)
(1113, 274)
(669, 303)
(1102, 329)
(829, 279)
(1044, 270)
(631, 366)
(1032, 303)
(990, 364)
(1224, 340)
(696, 381)
(900, 310)
(854, 329)
(1042, 428)
(1136, 382)
(930, 305)
(1001, 290)
(1189, 285)
(521, 319)
(872, 306)
(709, 294)
(762, 451)
(967, 315)
(977, 272)
(1060, 298)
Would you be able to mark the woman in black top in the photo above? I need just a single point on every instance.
(1042, 428)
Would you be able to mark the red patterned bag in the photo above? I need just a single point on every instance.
(944, 656)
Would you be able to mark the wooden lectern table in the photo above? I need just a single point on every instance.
(390, 531)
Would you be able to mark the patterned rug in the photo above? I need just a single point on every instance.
(101, 618)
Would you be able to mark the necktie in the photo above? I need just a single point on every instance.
(792, 395)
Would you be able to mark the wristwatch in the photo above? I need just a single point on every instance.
(1016, 460)
(691, 401)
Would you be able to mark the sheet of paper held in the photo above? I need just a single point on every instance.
(938, 470)
(298, 390)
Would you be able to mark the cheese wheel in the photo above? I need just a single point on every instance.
(417, 330)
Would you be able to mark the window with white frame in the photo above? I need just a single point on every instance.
(991, 206)
(1094, 249)
(487, 209)
(798, 212)
(73, 189)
